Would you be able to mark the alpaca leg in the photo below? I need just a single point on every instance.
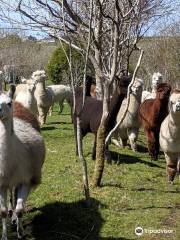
(22, 194)
(132, 135)
(14, 193)
(41, 115)
(108, 155)
(123, 142)
(172, 165)
(10, 206)
(115, 139)
(51, 110)
(94, 149)
(3, 208)
(151, 144)
(46, 110)
(61, 106)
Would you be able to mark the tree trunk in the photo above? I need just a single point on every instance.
(100, 156)
(99, 89)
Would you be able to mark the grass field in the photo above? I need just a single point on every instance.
(134, 193)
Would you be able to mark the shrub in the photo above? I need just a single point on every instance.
(58, 68)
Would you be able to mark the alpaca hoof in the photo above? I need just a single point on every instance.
(154, 158)
(21, 237)
(171, 182)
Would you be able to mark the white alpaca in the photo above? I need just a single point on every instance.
(157, 78)
(59, 94)
(43, 95)
(129, 128)
(22, 153)
(28, 99)
(170, 136)
(23, 86)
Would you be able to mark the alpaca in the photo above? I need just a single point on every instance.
(129, 128)
(27, 99)
(59, 94)
(42, 94)
(23, 86)
(90, 117)
(170, 136)
(22, 153)
(151, 114)
(156, 80)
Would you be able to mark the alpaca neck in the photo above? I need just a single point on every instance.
(175, 119)
(29, 98)
(134, 102)
(115, 105)
(160, 109)
(6, 130)
(173, 125)
(161, 103)
(154, 90)
(40, 88)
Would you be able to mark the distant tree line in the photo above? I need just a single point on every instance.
(27, 55)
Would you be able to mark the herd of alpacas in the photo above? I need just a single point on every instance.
(24, 108)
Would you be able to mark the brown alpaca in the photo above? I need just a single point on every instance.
(19, 111)
(92, 112)
(151, 114)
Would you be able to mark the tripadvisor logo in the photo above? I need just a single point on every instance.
(139, 231)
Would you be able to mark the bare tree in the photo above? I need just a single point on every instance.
(116, 28)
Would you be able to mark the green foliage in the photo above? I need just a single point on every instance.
(58, 68)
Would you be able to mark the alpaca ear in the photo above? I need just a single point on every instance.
(12, 90)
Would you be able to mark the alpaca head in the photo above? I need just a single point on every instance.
(31, 87)
(174, 102)
(5, 105)
(163, 91)
(157, 78)
(39, 76)
(137, 86)
(23, 80)
(122, 84)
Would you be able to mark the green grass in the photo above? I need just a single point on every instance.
(134, 193)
